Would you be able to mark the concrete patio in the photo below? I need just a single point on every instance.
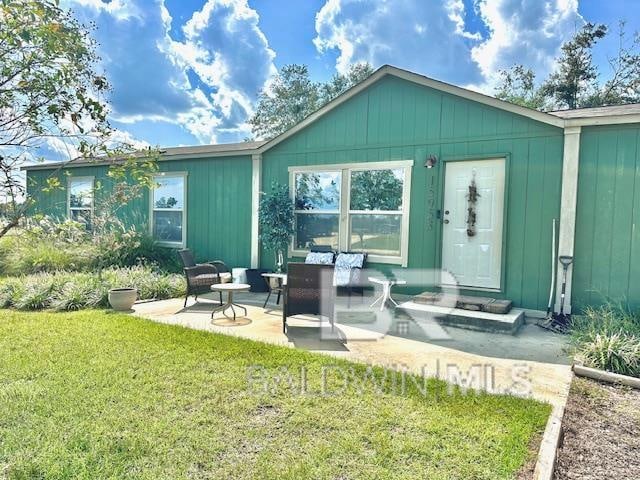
(529, 363)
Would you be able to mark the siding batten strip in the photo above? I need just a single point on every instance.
(566, 240)
(256, 185)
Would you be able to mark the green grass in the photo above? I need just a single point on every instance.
(98, 395)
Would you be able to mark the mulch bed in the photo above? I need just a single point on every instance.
(601, 433)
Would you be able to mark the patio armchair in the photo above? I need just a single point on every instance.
(309, 290)
(201, 276)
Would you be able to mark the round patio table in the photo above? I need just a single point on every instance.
(230, 288)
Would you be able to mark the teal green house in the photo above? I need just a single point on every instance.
(458, 186)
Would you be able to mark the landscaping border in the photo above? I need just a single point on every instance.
(551, 439)
(604, 376)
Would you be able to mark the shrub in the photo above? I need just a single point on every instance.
(36, 293)
(10, 288)
(46, 246)
(615, 352)
(607, 337)
(49, 246)
(77, 290)
(123, 246)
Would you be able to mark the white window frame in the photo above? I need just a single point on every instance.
(152, 209)
(70, 209)
(345, 212)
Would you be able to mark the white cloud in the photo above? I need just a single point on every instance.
(205, 83)
(436, 41)
(527, 32)
(225, 47)
(434, 38)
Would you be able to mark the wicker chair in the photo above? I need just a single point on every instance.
(309, 290)
(200, 276)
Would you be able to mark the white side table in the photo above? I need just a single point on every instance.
(385, 295)
(230, 288)
(281, 281)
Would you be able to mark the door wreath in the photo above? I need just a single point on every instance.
(472, 200)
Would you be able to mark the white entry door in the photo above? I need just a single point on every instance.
(474, 260)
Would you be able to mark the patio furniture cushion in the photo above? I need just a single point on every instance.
(210, 278)
(347, 269)
(319, 258)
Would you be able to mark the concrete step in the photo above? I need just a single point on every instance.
(507, 323)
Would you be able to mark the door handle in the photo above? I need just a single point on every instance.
(445, 221)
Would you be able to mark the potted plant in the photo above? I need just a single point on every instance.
(276, 221)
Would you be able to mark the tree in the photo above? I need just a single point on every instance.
(292, 96)
(517, 85)
(576, 72)
(575, 82)
(623, 85)
(340, 83)
(276, 219)
(49, 91)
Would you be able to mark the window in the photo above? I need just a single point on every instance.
(80, 200)
(355, 207)
(375, 211)
(317, 209)
(168, 209)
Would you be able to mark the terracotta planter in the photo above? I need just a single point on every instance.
(122, 299)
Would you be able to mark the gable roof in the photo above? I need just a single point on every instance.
(388, 70)
(612, 115)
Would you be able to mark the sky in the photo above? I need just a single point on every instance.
(188, 72)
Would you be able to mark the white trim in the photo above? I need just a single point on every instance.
(335, 167)
(404, 227)
(603, 120)
(568, 203)
(184, 176)
(256, 187)
(344, 212)
(93, 194)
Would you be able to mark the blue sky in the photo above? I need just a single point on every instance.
(189, 71)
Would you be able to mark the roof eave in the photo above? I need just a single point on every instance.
(163, 158)
(603, 120)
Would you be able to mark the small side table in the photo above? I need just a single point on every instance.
(230, 288)
(281, 279)
(385, 296)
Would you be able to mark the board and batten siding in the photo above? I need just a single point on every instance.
(607, 242)
(398, 120)
(218, 203)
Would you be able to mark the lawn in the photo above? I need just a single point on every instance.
(100, 395)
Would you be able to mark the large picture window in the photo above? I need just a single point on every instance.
(355, 207)
(80, 200)
(168, 209)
